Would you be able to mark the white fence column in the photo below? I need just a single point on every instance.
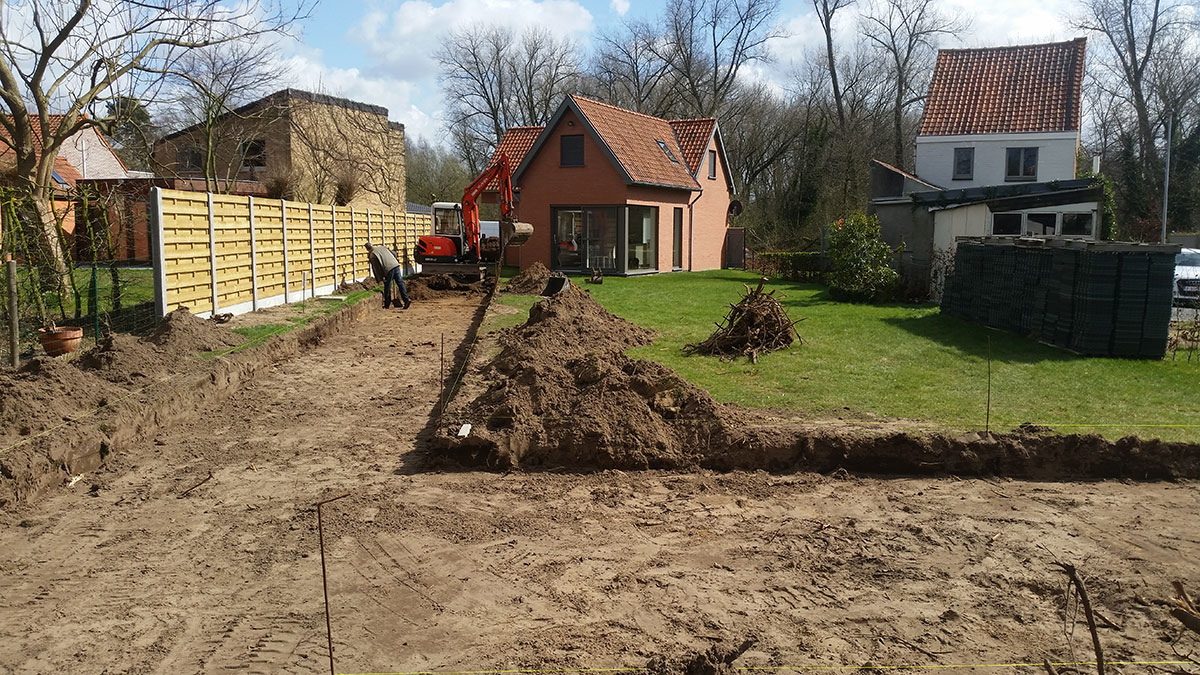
(160, 253)
(286, 275)
(333, 217)
(253, 259)
(312, 252)
(212, 250)
(353, 248)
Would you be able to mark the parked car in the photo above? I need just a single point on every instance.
(1187, 278)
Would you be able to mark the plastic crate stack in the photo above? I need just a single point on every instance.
(1094, 301)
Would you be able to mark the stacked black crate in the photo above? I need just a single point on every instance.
(1160, 281)
(1095, 302)
(1056, 329)
(1130, 305)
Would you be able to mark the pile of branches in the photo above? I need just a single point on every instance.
(755, 325)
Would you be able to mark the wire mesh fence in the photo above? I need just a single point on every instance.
(76, 257)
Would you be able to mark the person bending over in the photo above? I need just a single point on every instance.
(387, 269)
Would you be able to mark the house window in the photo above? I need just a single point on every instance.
(1077, 225)
(1006, 224)
(964, 163)
(712, 164)
(667, 151)
(572, 150)
(642, 226)
(1041, 224)
(677, 247)
(191, 158)
(585, 237)
(1021, 164)
(254, 153)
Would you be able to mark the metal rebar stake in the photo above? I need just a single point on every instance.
(14, 343)
(325, 576)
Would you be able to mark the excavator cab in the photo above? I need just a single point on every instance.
(446, 244)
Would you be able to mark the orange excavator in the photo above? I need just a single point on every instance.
(457, 245)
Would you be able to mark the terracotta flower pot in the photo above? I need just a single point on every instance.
(59, 341)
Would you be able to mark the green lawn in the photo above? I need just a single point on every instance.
(137, 286)
(905, 361)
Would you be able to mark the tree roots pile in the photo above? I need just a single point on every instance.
(755, 325)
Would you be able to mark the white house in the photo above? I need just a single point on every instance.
(995, 154)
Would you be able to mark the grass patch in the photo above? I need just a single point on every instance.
(308, 312)
(137, 286)
(906, 361)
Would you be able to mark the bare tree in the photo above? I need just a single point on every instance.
(629, 71)
(710, 41)
(907, 33)
(433, 174)
(65, 57)
(209, 87)
(492, 79)
(826, 10)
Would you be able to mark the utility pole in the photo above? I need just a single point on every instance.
(1166, 180)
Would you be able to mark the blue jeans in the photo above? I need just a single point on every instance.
(395, 274)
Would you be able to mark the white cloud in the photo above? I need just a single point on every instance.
(619, 6)
(1013, 22)
(404, 41)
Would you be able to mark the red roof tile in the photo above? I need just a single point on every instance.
(634, 139)
(1026, 88)
(66, 171)
(694, 136)
(516, 143)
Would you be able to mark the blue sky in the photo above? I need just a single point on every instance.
(379, 51)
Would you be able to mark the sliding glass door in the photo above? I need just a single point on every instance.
(585, 238)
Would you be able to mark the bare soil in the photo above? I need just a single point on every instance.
(469, 570)
(430, 287)
(531, 281)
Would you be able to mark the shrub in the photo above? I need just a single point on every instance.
(861, 262)
(790, 265)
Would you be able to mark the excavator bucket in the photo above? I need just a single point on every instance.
(555, 285)
(516, 233)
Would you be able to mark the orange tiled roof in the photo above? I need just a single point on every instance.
(1025, 88)
(633, 139)
(66, 171)
(516, 143)
(693, 138)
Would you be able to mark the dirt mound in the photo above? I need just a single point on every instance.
(757, 324)
(45, 393)
(352, 286)
(180, 333)
(563, 393)
(124, 359)
(531, 281)
(443, 285)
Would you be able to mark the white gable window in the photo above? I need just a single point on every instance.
(964, 163)
(1006, 224)
(1021, 164)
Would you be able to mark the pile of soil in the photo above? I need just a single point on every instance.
(46, 392)
(352, 286)
(124, 359)
(531, 281)
(442, 286)
(561, 393)
(182, 333)
(757, 324)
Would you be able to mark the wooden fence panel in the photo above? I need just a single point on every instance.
(186, 253)
(231, 221)
(257, 261)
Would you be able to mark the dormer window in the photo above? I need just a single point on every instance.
(667, 151)
(1021, 164)
(964, 163)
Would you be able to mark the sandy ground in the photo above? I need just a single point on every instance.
(432, 570)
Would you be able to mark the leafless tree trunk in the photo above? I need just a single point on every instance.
(907, 32)
(826, 10)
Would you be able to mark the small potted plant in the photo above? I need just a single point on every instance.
(58, 341)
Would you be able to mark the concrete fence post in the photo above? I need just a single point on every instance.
(287, 277)
(333, 218)
(159, 252)
(14, 328)
(212, 250)
(253, 258)
(312, 252)
(353, 248)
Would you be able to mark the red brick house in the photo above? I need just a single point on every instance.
(617, 190)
